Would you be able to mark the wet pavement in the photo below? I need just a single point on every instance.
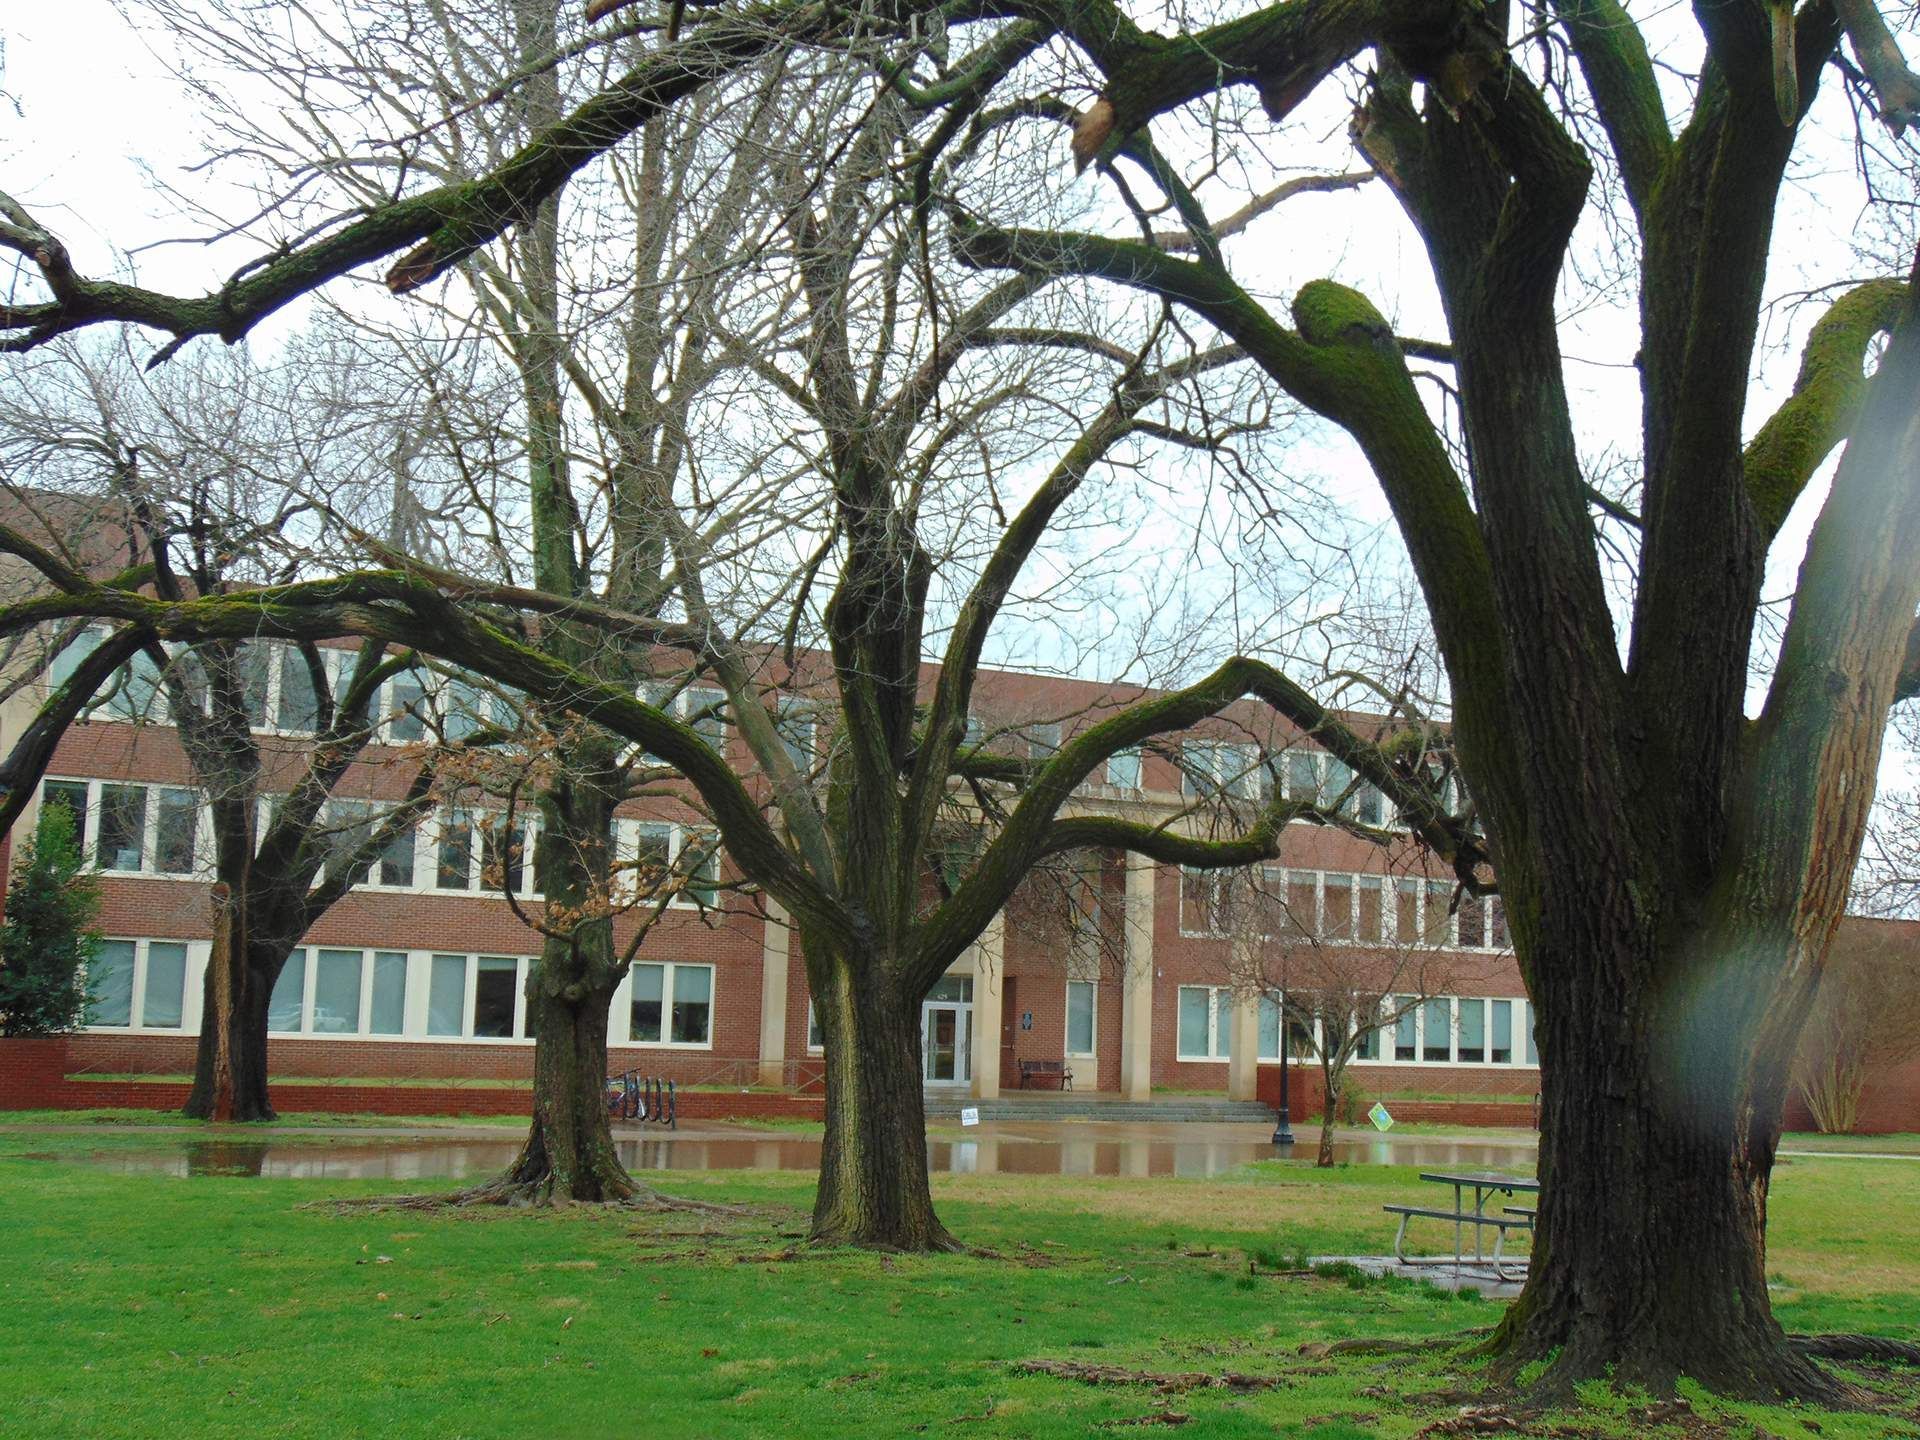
(1138, 1150)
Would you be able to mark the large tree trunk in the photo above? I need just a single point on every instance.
(569, 1154)
(1660, 1114)
(230, 1061)
(874, 1189)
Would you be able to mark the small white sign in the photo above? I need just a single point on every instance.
(970, 1115)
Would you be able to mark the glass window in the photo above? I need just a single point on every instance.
(702, 862)
(1339, 782)
(134, 691)
(1473, 928)
(1533, 1033)
(1406, 911)
(692, 1004)
(250, 663)
(397, 859)
(952, 987)
(1369, 921)
(1336, 907)
(494, 988)
(1080, 1017)
(1199, 912)
(123, 827)
(652, 856)
(1043, 741)
(1473, 1032)
(1303, 902)
(1404, 1046)
(529, 1019)
(176, 821)
(795, 727)
(165, 996)
(503, 856)
(447, 995)
(453, 867)
(1436, 1030)
(1303, 776)
(1369, 1046)
(336, 992)
(707, 715)
(110, 984)
(406, 704)
(299, 707)
(1269, 1028)
(1222, 1024)
(649, 988)
(1123, 769)
(289, 994)
(71, 655)
(816, 1037)
(1439, 922)
(72, 794)
(387, 1014)
(1370, 806)
(1196, 1020)
(1500, 1043)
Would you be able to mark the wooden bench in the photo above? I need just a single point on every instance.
(1043, 1070)
(1514, 1219)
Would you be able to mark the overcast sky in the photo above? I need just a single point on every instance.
(97, 113)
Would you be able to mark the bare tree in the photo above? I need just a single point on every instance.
(1865, 1020)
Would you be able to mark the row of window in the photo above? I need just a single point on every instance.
(160, 830)
(1339, 906)
(1445, 1030)
(324, 990)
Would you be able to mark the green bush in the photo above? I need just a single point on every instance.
(48, 936)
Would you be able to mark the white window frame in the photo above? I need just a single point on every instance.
(190, 982)
(1216, 881)
(669, 969)
(1232, 767)
(1139, 781)
(87, 840)
(626, 852)
(1093, 1022)
(1219, 999)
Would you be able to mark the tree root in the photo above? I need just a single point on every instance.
(528, 1194)
(1876, 1348)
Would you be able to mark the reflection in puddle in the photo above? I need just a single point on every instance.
(1029, 1150)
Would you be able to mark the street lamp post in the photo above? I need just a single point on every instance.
(1283, 1121)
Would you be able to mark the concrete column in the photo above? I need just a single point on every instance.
(1243, 1046)
(1136, 993)
(989, 972)
(775, 947)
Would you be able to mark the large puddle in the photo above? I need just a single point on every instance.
(1059, 1149)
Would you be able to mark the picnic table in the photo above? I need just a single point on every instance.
(1486, 1184)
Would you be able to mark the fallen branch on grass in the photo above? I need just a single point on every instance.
(1162, 1382)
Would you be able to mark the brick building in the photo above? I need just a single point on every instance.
(418, 973)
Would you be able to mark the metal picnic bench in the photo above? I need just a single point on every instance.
(1485, 1184)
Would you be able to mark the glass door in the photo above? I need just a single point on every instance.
(946, 1037)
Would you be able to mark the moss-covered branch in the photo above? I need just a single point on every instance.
(1826, 400)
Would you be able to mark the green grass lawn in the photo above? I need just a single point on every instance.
(138, 1306)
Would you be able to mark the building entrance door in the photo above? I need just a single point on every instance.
(946, 1032)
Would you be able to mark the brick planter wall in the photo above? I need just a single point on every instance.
(41, 1075)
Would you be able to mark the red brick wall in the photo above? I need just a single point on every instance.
(44, 1074)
